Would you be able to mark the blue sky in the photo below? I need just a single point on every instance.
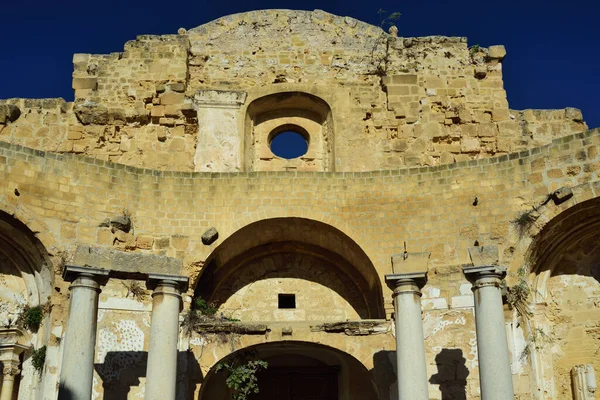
(553, 47)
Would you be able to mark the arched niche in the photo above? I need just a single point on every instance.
(25, 277)
(565, 264)
(330, 275)
(302, 368)
(565, 243)
(305, 114)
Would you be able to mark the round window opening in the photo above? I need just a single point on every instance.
(289, 142)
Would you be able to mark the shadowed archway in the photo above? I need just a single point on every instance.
(297, 371)
(316, 262)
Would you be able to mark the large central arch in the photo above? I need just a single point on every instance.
(313, 260)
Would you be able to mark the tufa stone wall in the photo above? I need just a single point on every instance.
(412, 147)
(394, 101)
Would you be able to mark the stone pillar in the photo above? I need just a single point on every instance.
(10, 368)
(410, 342)
(495, 377)
(9, 371)
(583, 382)
(161, 373)
(11, 346)
(77, 369)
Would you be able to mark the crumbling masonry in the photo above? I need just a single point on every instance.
(429, 243)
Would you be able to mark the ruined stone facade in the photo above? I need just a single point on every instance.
(412, 150)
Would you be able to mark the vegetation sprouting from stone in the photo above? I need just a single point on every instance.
(136, 290)
(517, 295)
(200, 312)
(242, 377)
(38, 358)
(31, 317)
(537, 340)
(202, 306)
(380, 62)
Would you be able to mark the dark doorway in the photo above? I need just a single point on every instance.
(298, 383)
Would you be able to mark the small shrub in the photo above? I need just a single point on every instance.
(31, 317)
(199, 304)
(136, 290)
(242, 377)
(38, 358)
(517, 295)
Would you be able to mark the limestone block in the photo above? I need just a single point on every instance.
(172, 110)
(177, 87)
(573, 114)
(109, 259)
(177, 144)
(487, 130)
(407, 263)
(81, 58)
(470, 145)
(432, 129)
(89, 112)
(484, 255)
(157, 111)
(85, 83)
(172, 98)
(500, 114)
(497, 52)
(400, 145)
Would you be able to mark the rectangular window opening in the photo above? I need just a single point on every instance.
(287, 301)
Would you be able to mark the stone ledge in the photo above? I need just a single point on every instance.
(119, 261)
(231, 327)
(353, 328)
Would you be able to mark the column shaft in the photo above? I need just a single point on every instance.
(8, 382)
(410, 342)
(492, 346)
(77, 369)
(161, 375)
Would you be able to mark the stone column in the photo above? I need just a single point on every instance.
(77, 369)
(410, 342)
(161, 373)
(495, 377)
(10, 368)
(11, 346)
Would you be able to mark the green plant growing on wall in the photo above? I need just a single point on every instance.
(242, 377)
(517, 295)
(538, 340)
(381, 63)
(201, 311)
(31, 317)
(202, 306)
(38, 358)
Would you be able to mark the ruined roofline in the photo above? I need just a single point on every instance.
(269, 17)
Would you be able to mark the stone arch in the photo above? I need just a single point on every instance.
(576, 229)
(25, 259)
(294, 109)
(297, 360)
(565, 266)
(529, 240)
(294, 248)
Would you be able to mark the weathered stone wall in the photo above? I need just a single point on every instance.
(432, 209)
(394, 101)
(414, 149)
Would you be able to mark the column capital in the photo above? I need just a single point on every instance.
(10, 369)
(406, 283)
(72, 272)
(475, 273)
(178, 281)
